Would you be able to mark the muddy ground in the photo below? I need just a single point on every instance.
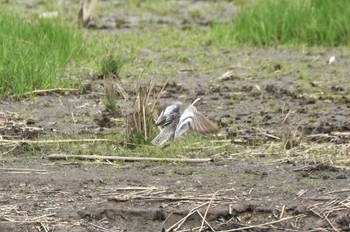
(282, 190)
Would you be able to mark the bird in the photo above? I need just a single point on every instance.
(85, 13)
(174, 124)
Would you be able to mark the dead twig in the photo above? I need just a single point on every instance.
(338, 191)
(44, 216)
(95, 157)
(33, 220)
(166, 219)
(6, 141)
(329, 222)
(55, 90)
(43, 226)
(271, 136)
(263, 224)
(135, 188)
(331, 206)
(99, 227)
(282, 211)
(185, 198)
(10, 150)
(178, 224)
(204, 221)
(206, 211)
(22, 170)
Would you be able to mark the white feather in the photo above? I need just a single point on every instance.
(184, 122)
(331, 60)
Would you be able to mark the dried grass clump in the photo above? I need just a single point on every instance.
(291, 136)
(111, 93)
(140, 118)
(140, 122)
(85, 12)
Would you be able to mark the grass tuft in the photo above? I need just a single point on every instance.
(112, 64)
(111, 93)
(35, 55)
(110, 67)
(140, 126)
(275, 22)
(140, 121)
(291, 137)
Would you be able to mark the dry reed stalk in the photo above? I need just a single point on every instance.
(140, 120)
(263, 224)
(290, 134)
(206, 212)
(96, 157)
(55, 90)
(204, 221)
(178, 224)
(85, 13)
(5, 141)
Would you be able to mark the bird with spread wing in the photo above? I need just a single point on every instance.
(174, 124)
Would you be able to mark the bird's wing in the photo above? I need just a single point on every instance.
(191, 117)
(168, 115)
(164, 135)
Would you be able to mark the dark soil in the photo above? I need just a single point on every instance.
(249, 104)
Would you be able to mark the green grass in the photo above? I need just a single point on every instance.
(190, 146)
(36, 54)
(112, 64)
(291, 22)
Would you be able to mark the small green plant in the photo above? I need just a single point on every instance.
(112, 64)
(274, 22)
(35, 54)
(110, 67)
(111, 93)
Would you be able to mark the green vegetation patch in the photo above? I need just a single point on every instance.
(275, 22)
(35, 55)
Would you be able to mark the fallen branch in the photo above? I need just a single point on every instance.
(103, 157)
